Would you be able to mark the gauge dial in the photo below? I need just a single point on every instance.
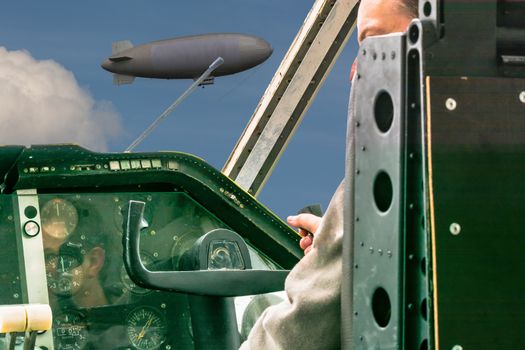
(147, 261)
(70, 331)
(64, 274)
(146, 328)
(59, 218)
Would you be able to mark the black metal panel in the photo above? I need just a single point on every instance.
(378, 193)
(467, 40)
(477, 169)
(474, 38)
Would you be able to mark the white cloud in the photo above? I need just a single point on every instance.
(41, 102)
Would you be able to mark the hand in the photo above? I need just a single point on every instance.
(305, 223)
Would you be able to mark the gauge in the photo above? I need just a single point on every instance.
(64, 274)
(70, 331)
(147, 260)
(146, 328)
(59, 218)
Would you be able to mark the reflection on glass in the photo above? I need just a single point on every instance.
(96, 302)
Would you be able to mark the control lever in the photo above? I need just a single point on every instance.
(24, 320)
(224, 282)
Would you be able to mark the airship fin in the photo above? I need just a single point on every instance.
(119, 46)
(121, 79)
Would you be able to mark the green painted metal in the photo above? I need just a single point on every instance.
(379, 194)
(9, 254)
(69, 168)
(417, 306)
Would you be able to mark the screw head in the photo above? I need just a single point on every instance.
(455, 229)
(451, 104)
(522, 96)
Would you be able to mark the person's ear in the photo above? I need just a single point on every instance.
(95, 261)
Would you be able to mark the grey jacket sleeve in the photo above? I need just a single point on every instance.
(310, 316)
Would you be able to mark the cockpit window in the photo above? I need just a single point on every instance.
(95, 303)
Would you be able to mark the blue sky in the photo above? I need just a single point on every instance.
(78, 35)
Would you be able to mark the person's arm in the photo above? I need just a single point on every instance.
(309, 318)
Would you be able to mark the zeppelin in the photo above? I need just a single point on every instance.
(185, 57)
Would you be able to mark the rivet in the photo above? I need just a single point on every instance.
(362, 244)
(451, 104)
(457, 347)
(389, 254)
(371, 250)
(393, 55)
(411, 257)
(380, 251)
(455, 229)
(364, 52)
(522, 96)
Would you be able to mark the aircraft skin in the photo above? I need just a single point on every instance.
(187, 57)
